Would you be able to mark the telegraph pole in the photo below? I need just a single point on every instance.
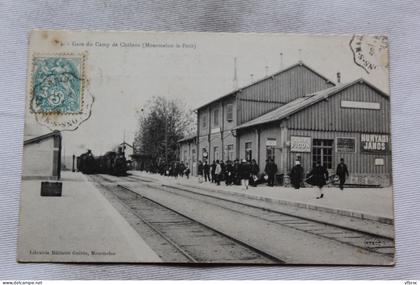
(166, 131)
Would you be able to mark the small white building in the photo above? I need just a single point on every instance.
(42, 157)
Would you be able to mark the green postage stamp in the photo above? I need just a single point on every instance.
(57, 85)
(58, 90)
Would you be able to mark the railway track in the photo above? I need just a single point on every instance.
(361, 241)
(357, 238)
(178, 238)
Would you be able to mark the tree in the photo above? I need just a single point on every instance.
(162, 123)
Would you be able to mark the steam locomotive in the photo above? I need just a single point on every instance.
(113, 163)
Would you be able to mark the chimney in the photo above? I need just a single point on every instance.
(281, 60)
(338, 77)
(252, 77)
(266, 70)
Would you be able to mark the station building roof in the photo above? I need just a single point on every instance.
(188, 138)
(299, 63)
(302, 103)
(42, 137)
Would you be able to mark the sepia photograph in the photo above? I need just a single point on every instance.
(208, 148)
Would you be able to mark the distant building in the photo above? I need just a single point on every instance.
(140, 161)
(188, 152)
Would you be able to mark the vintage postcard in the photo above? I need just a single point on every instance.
(159, 147)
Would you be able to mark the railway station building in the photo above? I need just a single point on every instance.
(349, 121)
(218, 119)
(298, 114)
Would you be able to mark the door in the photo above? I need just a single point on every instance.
(322, 151)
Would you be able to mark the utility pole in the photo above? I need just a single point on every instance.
(64, 158)
(166, 128)
(235, 74)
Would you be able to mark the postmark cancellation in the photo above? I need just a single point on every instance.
(370, 52)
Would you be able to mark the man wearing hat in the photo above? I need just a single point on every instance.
(270, 170)
(342, 172)
(296, 175)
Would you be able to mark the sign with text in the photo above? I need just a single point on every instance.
(271, 142)
(374, 143)
(300, 144)
(361, 105)
(345, 145)
(379, 162)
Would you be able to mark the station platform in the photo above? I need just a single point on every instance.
(374, 204)
(79, 226)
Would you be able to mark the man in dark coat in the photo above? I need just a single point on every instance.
(222, 175)
(244, 173)
(229, 173)
(296, 175)
(342, 172)
(187, 170)
(213, 171)
(254, 173)
(200, 171)
(206, 169)
(236, 177)
(270, 170)
(318, 177)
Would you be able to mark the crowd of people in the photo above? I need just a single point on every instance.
(247, 173)
(175, 169)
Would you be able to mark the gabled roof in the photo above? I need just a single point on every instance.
(301, 103)
(299, 63)
(41, 138)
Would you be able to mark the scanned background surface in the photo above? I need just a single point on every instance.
(398, 20)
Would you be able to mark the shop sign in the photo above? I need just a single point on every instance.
(345, 145)
(300, 144)
(360, 105)
(374, 143)
(271, 142)
(215, 130)
(379, 161)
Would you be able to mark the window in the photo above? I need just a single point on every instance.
(229, 112)
(248, 150)
(185, 156)
(270, 145)
(193, 155)
(216, 118)
(216, 153)
(230, 152)
(322, 151)
(270, 154)
(204, 121)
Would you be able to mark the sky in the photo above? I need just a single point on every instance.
(193, 67)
